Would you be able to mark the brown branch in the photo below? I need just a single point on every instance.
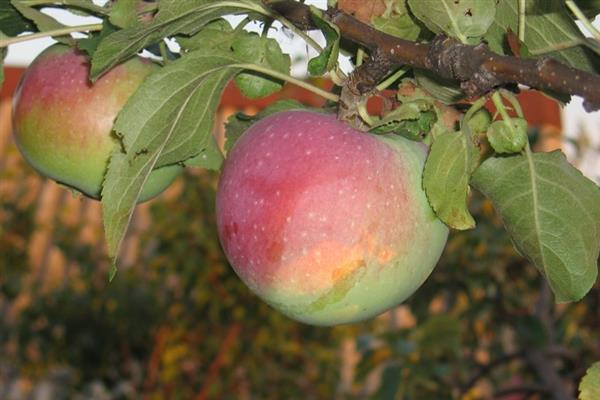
(477, 68)
(537, 359)
(362, 80)
(545, 370)
(521, 389)
(488, 368)
(213, 370)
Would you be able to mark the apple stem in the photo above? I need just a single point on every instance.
(55, 32)
(583, 19)
(163, 52)
(391, 79)
(278, 75)
(364, 114)
(289, 25)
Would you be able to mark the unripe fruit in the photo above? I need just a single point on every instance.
(63, 123)
(325, 223)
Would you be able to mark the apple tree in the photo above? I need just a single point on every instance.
(337, 214)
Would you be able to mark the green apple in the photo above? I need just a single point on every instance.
(63, 123)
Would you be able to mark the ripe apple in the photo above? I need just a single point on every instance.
(63, 124)
(325, 223)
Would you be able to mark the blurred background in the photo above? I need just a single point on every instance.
(177, 323)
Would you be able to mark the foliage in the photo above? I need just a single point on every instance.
(550, 210)
(589, 387)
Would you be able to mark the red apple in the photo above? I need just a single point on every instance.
(325, 223)
(63, 123)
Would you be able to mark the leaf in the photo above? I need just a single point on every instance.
(399, 25)
(79, 7)
(210, 158)
(124, 13)
(590, 8)
(12, 23)
(265, 52)
(3, 52)
(439, 335)
(174, 17)
(531, 332)
(411, 119)
(390, 382)
(327, 60)
(508, 136)
(549, 28)
(589, 387)
(452, 159)
(445, 90)
(480, 121)
(43, 21)
(217, 34)
(466, 20)
(90, 44)
(169, 119)
(238, 124)
(552, 213)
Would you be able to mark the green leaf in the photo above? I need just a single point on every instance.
(43, 21)
(466, 20)
(445, 90)
(552, 213)
(174, 17)
(124, 13)
(210, 158)
(168, 120)
(262, 51)
(238, 124)
(399, 25)
(90, 44)
(3, 52)
(80, 7)
(589, 388)
(531, 332)
(452, 159)
(549, 26)
(590, 8)
(480, 121)
(217, 34)
(390, 383)
(439, 335)
(12, 23)
(508, 136)
(327, 60)
(411, 119)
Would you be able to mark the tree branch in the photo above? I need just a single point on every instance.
(521, 389)
(477, 68)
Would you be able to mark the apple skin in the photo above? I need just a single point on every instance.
(63, 124)
(327, 224)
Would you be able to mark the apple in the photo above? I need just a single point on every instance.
(325, 223)
(63, 123)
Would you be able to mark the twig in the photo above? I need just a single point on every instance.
(527, 389)
(548, 375)
(362, 80)
(536, 358)
(522, 13)
(52, 33)
(584, 20)
(478, 69)
(486, 369)
(214, 368)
